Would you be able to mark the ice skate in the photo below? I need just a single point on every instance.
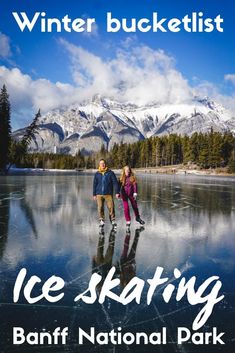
(101, 232)
(114, 224)
(101, 223)
(128, 225)
(139, 220)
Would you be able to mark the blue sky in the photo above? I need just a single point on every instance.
(203, 59)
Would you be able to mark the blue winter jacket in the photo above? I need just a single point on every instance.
(104, 184)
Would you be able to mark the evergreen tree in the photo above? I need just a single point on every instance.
(103, 150)
(122, 155)
(144, 154)
(227, 147)
(80, 160)
(135, 162)
(194, 147)
(19, 149)
(30, 131)
(215, 149)
(231, 166)
(159, 148)
(203, 150)
(186, 151)
(113, 159)
(153, 151)
(165, 151)
(5, 128)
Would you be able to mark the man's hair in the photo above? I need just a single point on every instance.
(102, 159)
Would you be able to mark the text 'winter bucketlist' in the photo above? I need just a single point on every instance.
(194, 22)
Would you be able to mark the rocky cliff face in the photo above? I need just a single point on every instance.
(102, 121)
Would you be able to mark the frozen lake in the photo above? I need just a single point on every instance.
(48, 224)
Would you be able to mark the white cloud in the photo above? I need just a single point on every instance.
(205, 88)
(138, 74)
(230, 77)
(134, 73)
(94, 32)
(5, 48)
(28, 95)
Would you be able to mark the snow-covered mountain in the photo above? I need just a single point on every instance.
(89, 125)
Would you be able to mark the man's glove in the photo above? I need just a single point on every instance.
(135, 195)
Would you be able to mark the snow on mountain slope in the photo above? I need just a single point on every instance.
(104, 121)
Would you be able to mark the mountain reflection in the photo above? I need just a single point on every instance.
(4, 217)
(56, 216)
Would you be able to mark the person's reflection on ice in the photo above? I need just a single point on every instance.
(127, 264)
(103, 260)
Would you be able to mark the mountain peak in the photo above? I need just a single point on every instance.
(105, 121)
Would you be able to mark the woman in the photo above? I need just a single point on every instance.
(129, 193)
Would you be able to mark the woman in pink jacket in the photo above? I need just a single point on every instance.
(129, 193)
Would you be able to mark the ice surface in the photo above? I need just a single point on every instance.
(48, 224)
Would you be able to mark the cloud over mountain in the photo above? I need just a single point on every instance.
(134, 73)
(137, 74)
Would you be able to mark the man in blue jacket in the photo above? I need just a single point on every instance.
(105, 182)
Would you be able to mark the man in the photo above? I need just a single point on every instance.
(105, 182)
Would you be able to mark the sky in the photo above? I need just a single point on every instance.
(50, 70)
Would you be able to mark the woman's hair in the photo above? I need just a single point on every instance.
(123, 175)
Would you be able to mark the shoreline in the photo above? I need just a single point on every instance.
(168, 170)
(183, 170)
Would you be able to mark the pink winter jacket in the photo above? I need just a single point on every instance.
(129, 188)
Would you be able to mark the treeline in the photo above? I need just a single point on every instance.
(12, 151)
(211, 150)
(56, 161)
